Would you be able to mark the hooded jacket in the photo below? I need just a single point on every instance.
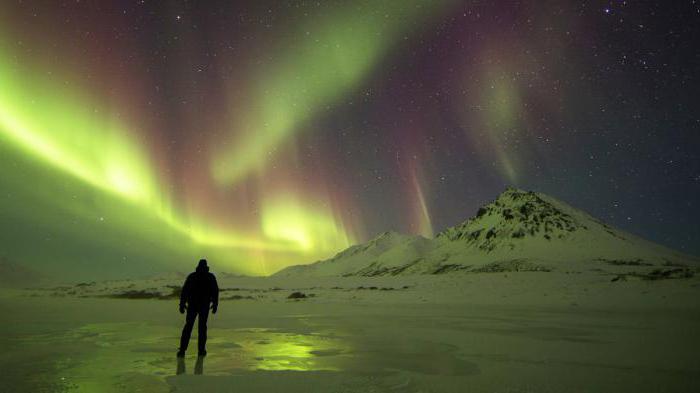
(200, 289)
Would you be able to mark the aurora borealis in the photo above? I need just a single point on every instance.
(138, 136)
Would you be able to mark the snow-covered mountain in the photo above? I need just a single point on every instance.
(13, 275)
(520, 230)
(389, 253)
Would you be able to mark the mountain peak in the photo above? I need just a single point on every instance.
(515, 194)
(16, 275)
(387, 236)
(517, 214)
(513, 190)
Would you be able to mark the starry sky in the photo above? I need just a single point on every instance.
(139, 136)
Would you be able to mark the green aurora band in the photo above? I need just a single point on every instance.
(81, 170)
(332, 59)
(57, 127)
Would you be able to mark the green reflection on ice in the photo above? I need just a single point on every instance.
(122, 357)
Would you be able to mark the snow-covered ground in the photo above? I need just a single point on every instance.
(595, 284)
(610, 327)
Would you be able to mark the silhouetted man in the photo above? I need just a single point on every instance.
(200, 290)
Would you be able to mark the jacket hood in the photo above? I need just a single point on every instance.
(202, 266)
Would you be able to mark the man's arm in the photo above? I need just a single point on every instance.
(184, 294)
(214, 294)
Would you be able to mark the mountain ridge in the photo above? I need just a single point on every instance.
(14, 275)
(519, 230)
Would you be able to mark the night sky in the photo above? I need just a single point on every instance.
(138, 136)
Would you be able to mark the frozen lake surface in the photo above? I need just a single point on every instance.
(110, 345)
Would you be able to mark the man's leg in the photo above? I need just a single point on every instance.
(202, 330)
(187, 329)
